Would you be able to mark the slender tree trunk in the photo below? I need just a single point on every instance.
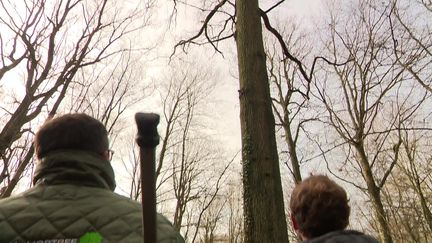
(415, 181)
(263, 199)
(375, 195)
(423, 200)
(424, 204)
(292, 150)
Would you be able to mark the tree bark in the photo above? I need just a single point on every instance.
(264, 215)
(375, 195)
(292, 150)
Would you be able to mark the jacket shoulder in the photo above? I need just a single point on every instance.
(344, 236)
(50, 212)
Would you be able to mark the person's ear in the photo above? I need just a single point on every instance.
(294, 222)
(296, 228)
(106, 155)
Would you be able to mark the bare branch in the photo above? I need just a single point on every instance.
(274, 6)
(307, 77)
(202, 30)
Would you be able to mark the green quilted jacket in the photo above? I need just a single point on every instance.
(73, 202)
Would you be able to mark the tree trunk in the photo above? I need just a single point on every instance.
(264, 215)
(417, 187)
(374, 194)
(292, 149)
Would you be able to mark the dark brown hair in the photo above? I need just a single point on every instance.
(319, 206)
(72, 131)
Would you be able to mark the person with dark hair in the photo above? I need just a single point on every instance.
(72, 199)
(320, 212)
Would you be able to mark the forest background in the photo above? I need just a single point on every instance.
(334, 87)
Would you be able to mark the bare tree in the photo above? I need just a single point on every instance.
(374, 101)
(291, 108)
(211, 220)
(418, 179)
(212, 202)
(45, 45)
(408, 191)
(235, 214)
(188, 160)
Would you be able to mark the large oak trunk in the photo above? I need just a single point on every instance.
(265, 219)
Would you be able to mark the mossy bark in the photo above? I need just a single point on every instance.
(264, 212)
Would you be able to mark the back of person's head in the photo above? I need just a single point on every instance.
(319, 206)
(71, 132)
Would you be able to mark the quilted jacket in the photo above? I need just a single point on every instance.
(343, 236)
(73, 202)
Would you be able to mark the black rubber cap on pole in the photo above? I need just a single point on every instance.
(148, 136)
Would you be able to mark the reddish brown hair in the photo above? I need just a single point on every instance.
(72, 131)
(319, 206)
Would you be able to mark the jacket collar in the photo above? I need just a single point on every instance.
(75, 167)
